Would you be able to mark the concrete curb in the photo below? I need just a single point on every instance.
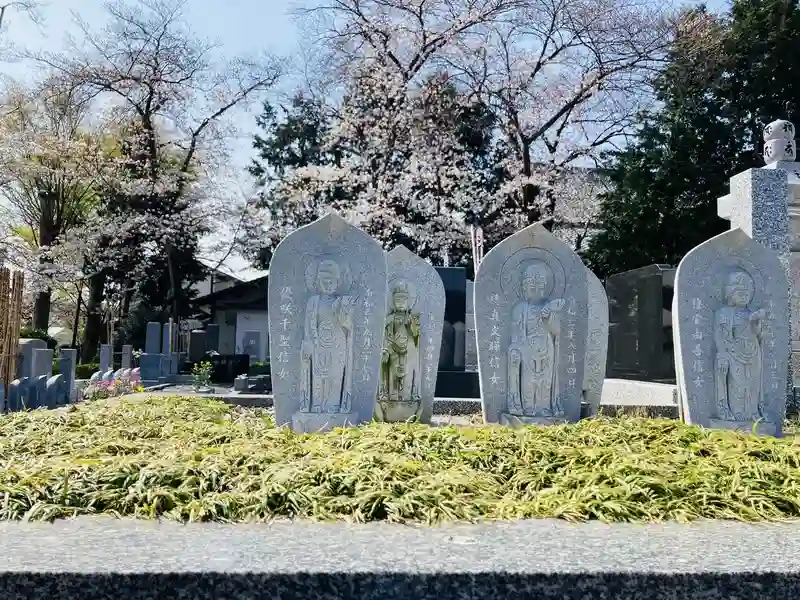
(108, 558)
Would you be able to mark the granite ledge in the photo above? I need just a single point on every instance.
(389, 586)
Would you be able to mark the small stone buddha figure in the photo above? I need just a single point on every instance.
(327, 352)
(400, 360)
(739, 352)
(534, 349)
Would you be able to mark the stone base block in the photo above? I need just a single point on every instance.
(522, 421)
(303, 422)
(397, 412)
(747, 426)
(457, 384)
(627, 392)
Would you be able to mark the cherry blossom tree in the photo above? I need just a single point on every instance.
(49, 168)
(172, 97)
(563, 80)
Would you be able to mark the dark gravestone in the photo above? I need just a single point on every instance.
(452, 380)
(640, 324)
(455, 310)
(197, 345)
(212, 337)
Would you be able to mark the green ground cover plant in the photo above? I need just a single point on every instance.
(200, 459)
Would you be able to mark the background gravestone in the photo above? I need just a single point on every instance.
(326, 260)
(732, 334)
(106, 358)
(596, 343)
(25, 351)
(640, 345)
(67, 363)
(500, 313)
(127, 357)
(152, 343)
(197, 345)
(427, 301)
(212, 337)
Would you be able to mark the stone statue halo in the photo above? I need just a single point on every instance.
(345, 279)
(412, 293)
(513, 269)
(758, 282)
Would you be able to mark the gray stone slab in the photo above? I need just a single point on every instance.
(212, 339)
(412, 338)
(531, 319)
(596, 343)
(152, 344)
(67, 363)
(542, 559)
(625, 392)
(25, 351)
(42, 362)
(127, 357)
(150, 366)
(731, 324)
(327, 299)
(106, 357)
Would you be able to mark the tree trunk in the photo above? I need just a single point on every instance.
(528, 189)
(47, 235)
(94, 317)
(174, 285)
(77, 320)
(41, 310)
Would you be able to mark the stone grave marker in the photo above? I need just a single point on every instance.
(67, 362)
(25, 351)
(730, 316)
(37, 392)
(56, 391)
(18, 394)
(596, 343)
(197, 345)
(42, 362)
(152, 340)
(150, 366)
(531, 319)
(412, 338)
(327, 301)
(106, 358)
(127, 357)
(212, 337)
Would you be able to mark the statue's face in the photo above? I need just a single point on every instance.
(328, 277)
(534, 283)
(401, 300)
(740, 289)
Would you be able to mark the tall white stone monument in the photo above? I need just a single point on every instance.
(327, 299)
(531, 319)
(760, 204)
(730, 321)
(412, 338)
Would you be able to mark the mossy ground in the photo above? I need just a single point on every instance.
(200, 459)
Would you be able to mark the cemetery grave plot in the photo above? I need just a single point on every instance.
(200, 459)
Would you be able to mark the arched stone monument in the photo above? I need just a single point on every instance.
(531, 318)
(730, 318)
(327, 301)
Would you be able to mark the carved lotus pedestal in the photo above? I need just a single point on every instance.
(762, 428)
(525, 420)
(304, 422)
(397, 411)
